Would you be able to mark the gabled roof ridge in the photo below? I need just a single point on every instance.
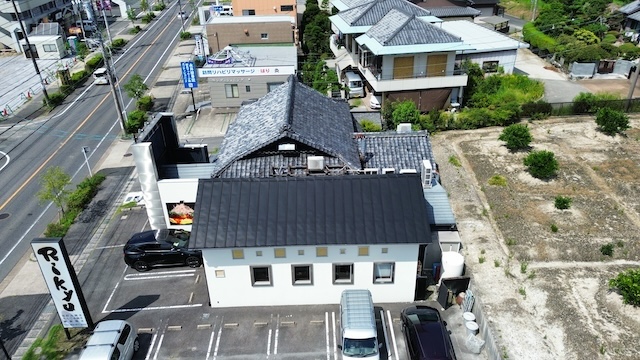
(401, 27)
(288, 126)
(367, 7)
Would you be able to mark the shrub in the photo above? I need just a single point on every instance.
(159, 6)
(147, 18)
(516, 136)
(541, 164)
(145, 103)
(136, 29)
(612, 122)
(55, 99)
(185, 35)
(609, 39)
(531, 109)
(498, 180)
(607, 249)
(554, 228)
(79, 77)
(562, 202)
(453, 160)
(370, 126)
(585, 103)
(95, 62)
(628, 284)
(537, 38)
(118, 43)
(135, 121)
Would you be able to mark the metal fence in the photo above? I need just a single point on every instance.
(590, 107)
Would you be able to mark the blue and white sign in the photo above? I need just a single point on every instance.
(217, 8)
(189, 74)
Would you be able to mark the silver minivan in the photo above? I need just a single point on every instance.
(354, 84)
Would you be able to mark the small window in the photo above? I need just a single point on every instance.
(247, 88)
(124, 335)
(343, 273)
(259, 253)
(300, 252)
(49, 48)
(302, 274)
(490, 66)
(363, 251)
(322, 251)
(231, 90)
(264, 36)
(286, 7)
(280, 252)
(237, 254)
(261, 275)
(220, 274)
(343, 251)
(385, 250)
(248, 12)
(383, 273)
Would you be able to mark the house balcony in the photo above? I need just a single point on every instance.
(342, 58)
(386, 82)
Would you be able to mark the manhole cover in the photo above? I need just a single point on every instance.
(4, 216)
(127, 154)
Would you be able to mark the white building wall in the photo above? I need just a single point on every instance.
(236, 289)
(506, 59)
(176, 191)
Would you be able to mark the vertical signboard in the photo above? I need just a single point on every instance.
(199, 46)
(189, 74)
(62, 282)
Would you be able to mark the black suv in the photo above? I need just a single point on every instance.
(160, 247)
(426, 334)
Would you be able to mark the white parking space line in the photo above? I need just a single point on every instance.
(159, 275)
(213, 333)
(109, 247)
(156, 308)
(153, 342)
(104, 309)
(215, 352)
(155, 356)
(335, 339)
(275, 340)
(326, 330)
(386, 337)
(393, 335)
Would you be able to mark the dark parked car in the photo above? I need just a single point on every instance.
(160, 247)
(426, 334)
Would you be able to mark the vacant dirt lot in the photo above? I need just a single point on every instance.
(546, 291)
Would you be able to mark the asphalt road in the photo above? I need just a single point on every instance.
(88, 118)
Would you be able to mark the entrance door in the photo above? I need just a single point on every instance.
(437, 65)
(403, 67)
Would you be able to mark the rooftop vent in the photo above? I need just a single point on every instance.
(370, 171)
(404, 128)
(408, 171)
(286, 147)
(388, 170)
(315, 163)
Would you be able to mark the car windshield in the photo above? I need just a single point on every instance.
(360, 347)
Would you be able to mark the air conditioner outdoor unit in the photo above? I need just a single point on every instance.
(408, 171)
(388, 170)
(404, 128)
(315, 163)
(427, 174)
(286, 147)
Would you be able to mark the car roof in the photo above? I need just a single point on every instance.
(97, 352)
(144, 237)
(104, 338)
(100, 71)
(430, 331)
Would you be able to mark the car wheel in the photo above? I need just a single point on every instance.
(136, 345)
(141, 266)
(192, 261)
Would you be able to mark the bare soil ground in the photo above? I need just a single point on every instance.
(546, 293)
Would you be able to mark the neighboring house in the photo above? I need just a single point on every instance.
(264, 7)
(449, 10)
(47, 42)
(255, 30)
(631, 13)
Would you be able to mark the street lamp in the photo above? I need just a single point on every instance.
(85, 151)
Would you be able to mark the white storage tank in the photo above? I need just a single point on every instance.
(452, 264)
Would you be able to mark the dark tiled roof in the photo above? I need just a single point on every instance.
(454, 11)
(296, 112)
(269, 164)
(312, 210)
(354, 3)
(396, 150)
(370, 13)
(398, 28)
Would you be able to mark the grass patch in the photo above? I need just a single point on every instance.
(498, 180)
(522, 291)
(453, 160)
(56, 346)
(523, 267)
(496, 263)
(481, 259)
(607, 250)
(562, 202)
(510, 242)
(554, 228)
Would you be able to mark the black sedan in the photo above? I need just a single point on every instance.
(426, 334)
(160, 248)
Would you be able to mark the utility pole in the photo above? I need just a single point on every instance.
(33, 59)
(107, 65)
(535, 8)
(633, 87)
(180, 12)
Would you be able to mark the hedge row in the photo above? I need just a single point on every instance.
(537, 38)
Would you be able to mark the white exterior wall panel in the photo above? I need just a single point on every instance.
(506, 59)
(236, 288)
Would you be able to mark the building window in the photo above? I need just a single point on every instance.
(363, 251)
(343, 251)
(237, 254)
(385, 250)
(248, 12)
(49, 48)
(231, 90)
(264, 36)
(273, 86)
(343, 273)
(280, 252)
(300, 252)
(261, 275)
(490, 66)
(259, 253)
(322, 251)
(302, 274)
(220, 273)
(247, 88)
(383, 273)
(286, 7)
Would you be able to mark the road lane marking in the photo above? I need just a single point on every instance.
(6, 156)
(170, 307)
(153, 341)
(275, 340)
(335, 340)
(215, 351)
(393, 335)
(326, 331)
(131, 277)
(269, 343)
(104, 309)
(213, 333)
(155, 355)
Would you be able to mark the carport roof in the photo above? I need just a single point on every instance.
(308, 211)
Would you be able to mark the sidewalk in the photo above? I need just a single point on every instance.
(168, 98)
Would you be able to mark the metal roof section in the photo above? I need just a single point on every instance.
(370, 13)
(439, 210)
(347, 4)
(312, 210)
(47, 29)
(186, 171)
(635, 16)
(454, 11)
(291, 112)
(395, 150)
(247, 56)
(630, 8)
(479, 38)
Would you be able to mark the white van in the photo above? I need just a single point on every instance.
(358, 326)
(353, 82)
(101, 77)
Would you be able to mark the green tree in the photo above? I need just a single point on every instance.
(516, 136)
(369, 126)
(53, 187)
(541, 164)
(81, 51)
(131, 15)
(628, 284)
(405, 112)
(611, 121)
(136, 87)
(475, 78)
(144, 6)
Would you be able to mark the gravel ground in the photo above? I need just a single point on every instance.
(545, 292)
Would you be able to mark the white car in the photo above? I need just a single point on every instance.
(111, 340)
(375, 101)
(101, 77)
(182, 15)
